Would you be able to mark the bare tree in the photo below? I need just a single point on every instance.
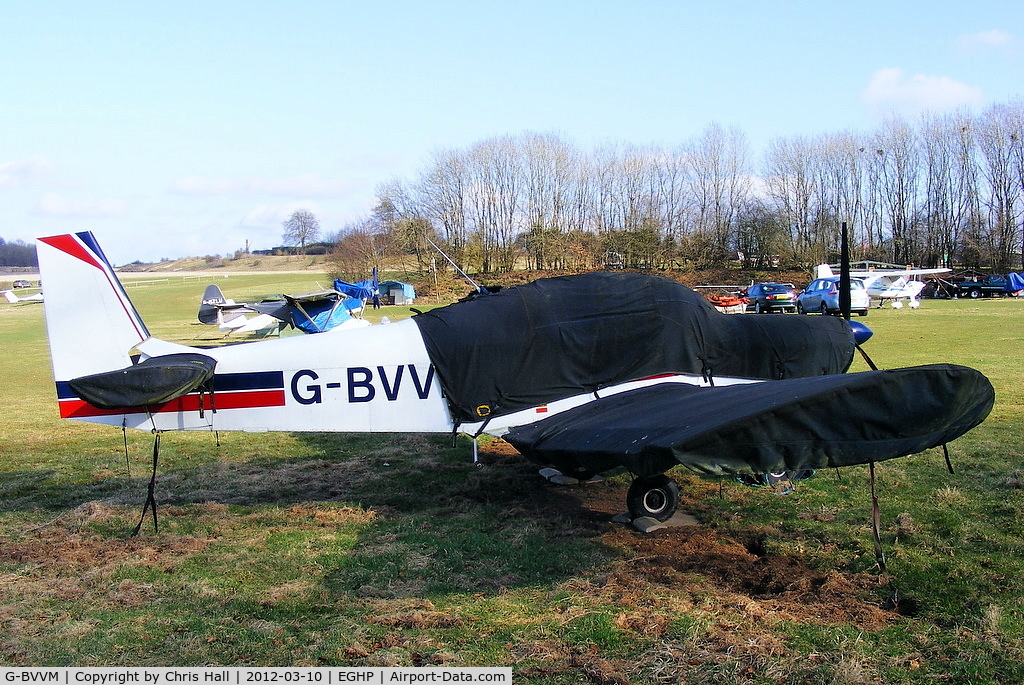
(841, 176)
(942, 190)
(760, 233)
(401, 215)
(361, 246)
(792, 184)
(899, 166)
(443, 190)
(494, 170)
(551, 169)
(604, 171)
(720, 184)
(1015, 116)
(951, 184)
(996, 133)
(671, 178)
(301, 228)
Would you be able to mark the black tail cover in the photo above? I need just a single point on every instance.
(152, 382)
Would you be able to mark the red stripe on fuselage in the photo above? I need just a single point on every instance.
(80, 409)
(658, 376)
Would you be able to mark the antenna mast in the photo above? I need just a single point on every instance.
(463, 273)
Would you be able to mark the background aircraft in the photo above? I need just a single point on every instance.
(317, 312)
(888, 284)
(231, 317)
(590, 374)
(14, 299)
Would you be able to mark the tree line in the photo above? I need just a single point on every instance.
(944, 190)
(17, 253)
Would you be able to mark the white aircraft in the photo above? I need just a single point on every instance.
(892, 285)
(230, 317)
(588, 374)
(319, 312)
(14, 299)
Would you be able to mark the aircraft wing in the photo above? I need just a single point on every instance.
(277, 308)
(854, 273)
(14, 299)
(792, 424)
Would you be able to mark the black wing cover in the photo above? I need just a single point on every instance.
(794, 424)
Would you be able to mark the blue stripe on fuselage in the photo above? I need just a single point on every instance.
(224, 382)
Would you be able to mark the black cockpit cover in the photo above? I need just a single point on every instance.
(556, 337)
(155, 381)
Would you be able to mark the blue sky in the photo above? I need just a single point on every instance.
(189, 128)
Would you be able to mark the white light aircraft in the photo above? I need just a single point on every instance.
(892, 285)
(588, 374)
(230, 317)
(14, 299)
(318, 312)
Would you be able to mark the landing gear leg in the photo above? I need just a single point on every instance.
(653, 496)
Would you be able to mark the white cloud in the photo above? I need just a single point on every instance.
(302, 185)
(983, 41)
(22, 172)
(891, 91)
(51, 204)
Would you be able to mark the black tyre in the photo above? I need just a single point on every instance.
(974, 294)
(824, 309)
(654, 496)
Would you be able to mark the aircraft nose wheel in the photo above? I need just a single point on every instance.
(653, 496)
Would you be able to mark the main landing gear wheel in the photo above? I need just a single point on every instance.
(654, 496)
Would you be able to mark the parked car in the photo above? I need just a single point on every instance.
(22, 284)
(993, 285)
(822, 295)
(770, 297)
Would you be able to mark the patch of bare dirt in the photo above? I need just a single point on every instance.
(697, 560)
(781, 586)
(709, 603)
(59, 551)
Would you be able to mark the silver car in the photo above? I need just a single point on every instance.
(822, 295)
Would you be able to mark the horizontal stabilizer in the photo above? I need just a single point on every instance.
(785, 425)
(152, 382)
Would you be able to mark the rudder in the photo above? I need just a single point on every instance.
(91, 323)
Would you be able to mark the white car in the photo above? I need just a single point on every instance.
(822, 295)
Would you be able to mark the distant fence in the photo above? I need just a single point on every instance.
(128, 283)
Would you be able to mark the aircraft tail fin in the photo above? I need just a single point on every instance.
(91, 322)
(208, 309)
(823, 271)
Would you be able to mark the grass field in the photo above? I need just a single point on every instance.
(317, 549)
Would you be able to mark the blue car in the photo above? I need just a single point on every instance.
(822, 295)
